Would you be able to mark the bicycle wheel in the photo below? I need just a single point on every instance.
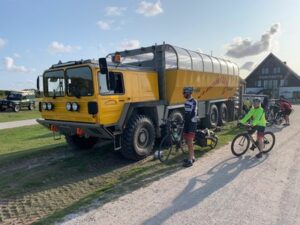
(240, 144)
(165, 148)
(269, 141)
(213, 141)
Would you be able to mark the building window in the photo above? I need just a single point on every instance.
(296, 94)
(276, 70)
(259, 83)
(265, 71)
(281, 83)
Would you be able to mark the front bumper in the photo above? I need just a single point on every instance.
(70, 128)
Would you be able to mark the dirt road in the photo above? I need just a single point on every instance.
(19, 123)
(218, 189)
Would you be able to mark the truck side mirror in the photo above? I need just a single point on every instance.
(38, 83)
(103, 66)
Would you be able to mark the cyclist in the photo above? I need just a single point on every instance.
(247, 105)
(190, 124)
(257, 114)
(286, 108)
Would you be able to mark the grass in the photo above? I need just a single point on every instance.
(25, 114)
(42, 180)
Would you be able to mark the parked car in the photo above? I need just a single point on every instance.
(18, 100)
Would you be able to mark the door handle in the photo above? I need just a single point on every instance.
(121, 100)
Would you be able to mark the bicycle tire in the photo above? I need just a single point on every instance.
(234, 152)
(265, 139)
(214, 141)
(165, 147)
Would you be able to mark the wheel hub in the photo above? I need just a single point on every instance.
(143, 137)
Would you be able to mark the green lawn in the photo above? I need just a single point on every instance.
(22, 115)
(42, 180)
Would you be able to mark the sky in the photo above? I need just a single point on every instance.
(34, 34)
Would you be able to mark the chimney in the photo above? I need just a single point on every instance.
(284, 62)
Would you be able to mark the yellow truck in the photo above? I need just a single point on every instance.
(125, 96)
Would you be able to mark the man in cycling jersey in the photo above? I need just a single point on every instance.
(286, 108)
(257, 114)
(190, 124)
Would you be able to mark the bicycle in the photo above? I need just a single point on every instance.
(172, 142)
(275, 116)
(243, 141)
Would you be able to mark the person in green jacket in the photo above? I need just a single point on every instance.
(257, 114)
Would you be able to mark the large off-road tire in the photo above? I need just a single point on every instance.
(138, 138)
(212, 119)
(223, 114)
(16, 108)
(81, 143)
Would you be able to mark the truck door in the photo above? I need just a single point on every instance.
(112, 97)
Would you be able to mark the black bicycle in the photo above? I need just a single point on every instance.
(241, 142)
(173, 142)
(275, 116)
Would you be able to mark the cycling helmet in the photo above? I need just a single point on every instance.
(188, 90)
(256, 100)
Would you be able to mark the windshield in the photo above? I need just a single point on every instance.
(80, 82)
(14, 96)
(54, 84)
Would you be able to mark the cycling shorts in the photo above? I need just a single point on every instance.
(189, 136)
(260, 130)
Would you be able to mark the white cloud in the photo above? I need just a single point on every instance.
(247, 66)
(56, 47)
(130, 44)
(114, 11)
(10, 66)
(245, 47)
(104, 25)
(149, 9)
(2, 43)
(199, 50)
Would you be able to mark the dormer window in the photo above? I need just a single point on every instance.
(265, 71)
(276, 70)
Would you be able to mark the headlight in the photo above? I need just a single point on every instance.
(69, 106)
(75, 106)
(44, 106)
(49, 106)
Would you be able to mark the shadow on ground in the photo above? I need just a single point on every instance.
(212, 181)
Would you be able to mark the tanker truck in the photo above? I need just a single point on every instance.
(125, 96)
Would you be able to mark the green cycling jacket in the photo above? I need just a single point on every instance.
(258, 116)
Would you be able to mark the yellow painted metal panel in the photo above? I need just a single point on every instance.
(60, 112)
(207, 86)
(140, 86)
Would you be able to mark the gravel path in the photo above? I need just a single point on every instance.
(19, 123)
(218, 189)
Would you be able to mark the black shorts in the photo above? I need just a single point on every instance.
(287, 112)
(259, 129)
(189, 127)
